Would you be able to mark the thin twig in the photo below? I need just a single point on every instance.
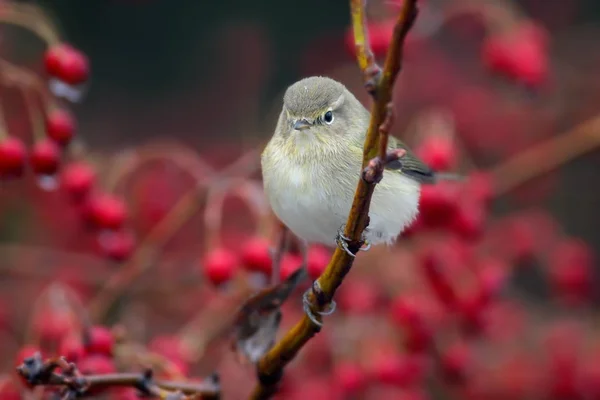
(59, 372)
(270, 367)
(31, 18)
(158, 237)
(546, 156)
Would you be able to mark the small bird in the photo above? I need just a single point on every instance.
(312, 164)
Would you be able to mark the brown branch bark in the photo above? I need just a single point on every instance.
(546, 156)
(59, 372)
(379, 84)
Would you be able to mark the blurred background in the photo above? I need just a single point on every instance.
(180, 95)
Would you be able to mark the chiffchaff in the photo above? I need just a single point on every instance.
(312, 164)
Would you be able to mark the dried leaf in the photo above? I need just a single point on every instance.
(257, 321)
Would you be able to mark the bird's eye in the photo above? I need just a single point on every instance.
(328, 117)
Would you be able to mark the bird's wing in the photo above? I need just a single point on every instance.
(410, 165)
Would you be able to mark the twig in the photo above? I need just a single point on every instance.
(270, 367)
(148, 250)
(546, 156)
(74, 384)
(30, 18)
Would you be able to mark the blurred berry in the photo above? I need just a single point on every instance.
(99, 340)
(60, 126)
(219, 265)
(78, 179)
(67, 64)
(400, 370)
(45, 157)
(12, 157)
(318, 259)
(438, 203)
(106, 211)
(454, 362)
(52, 325)
(71, 347)
(521, 54)
(349, 378)
(117, 245)
(438, 152)
(358, 297)
(96, 364)
(290, 263)
(256, 255)
(571, 270)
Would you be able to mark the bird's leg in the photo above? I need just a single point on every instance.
(318, 293)
(344, 242)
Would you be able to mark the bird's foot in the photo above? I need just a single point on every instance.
(344, 242)
(307, 306)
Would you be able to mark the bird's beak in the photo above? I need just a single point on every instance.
(301, 125)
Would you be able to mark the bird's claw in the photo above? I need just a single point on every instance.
(306, 305)
(342, 242)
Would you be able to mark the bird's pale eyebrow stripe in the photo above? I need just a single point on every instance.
(338, 103)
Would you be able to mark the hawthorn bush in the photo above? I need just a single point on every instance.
(159, 271)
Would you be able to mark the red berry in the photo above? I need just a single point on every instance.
(96, 364)
(434, 265)
(350, 378)
(438, 203)
(318, 259)
(78, 178)
(99, 340)
(454, 362)
(380, 36)
(45, 157)
(107, 211)
(439, 152)
(117, 245)
(468, 221)
(520, 55)
(571, 270)
(71, 347)
(290, 263)
(67, 64)
(60, 126)
(400, 370)
(12, 157)
(256, 255)
(52, 325)
(358, 297)
(405, 312)
(9, 390)
(219, 265)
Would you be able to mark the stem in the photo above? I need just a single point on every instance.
(38, 126)
(183, 157)
(158, 237)
(213, 213)
(546, 156)
(32, 19)
(270, 367)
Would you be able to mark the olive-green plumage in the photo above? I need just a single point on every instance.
(313, 162)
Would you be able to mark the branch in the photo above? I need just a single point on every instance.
(546, 156)
(74, 384)
(270, 367)
(158, 237)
